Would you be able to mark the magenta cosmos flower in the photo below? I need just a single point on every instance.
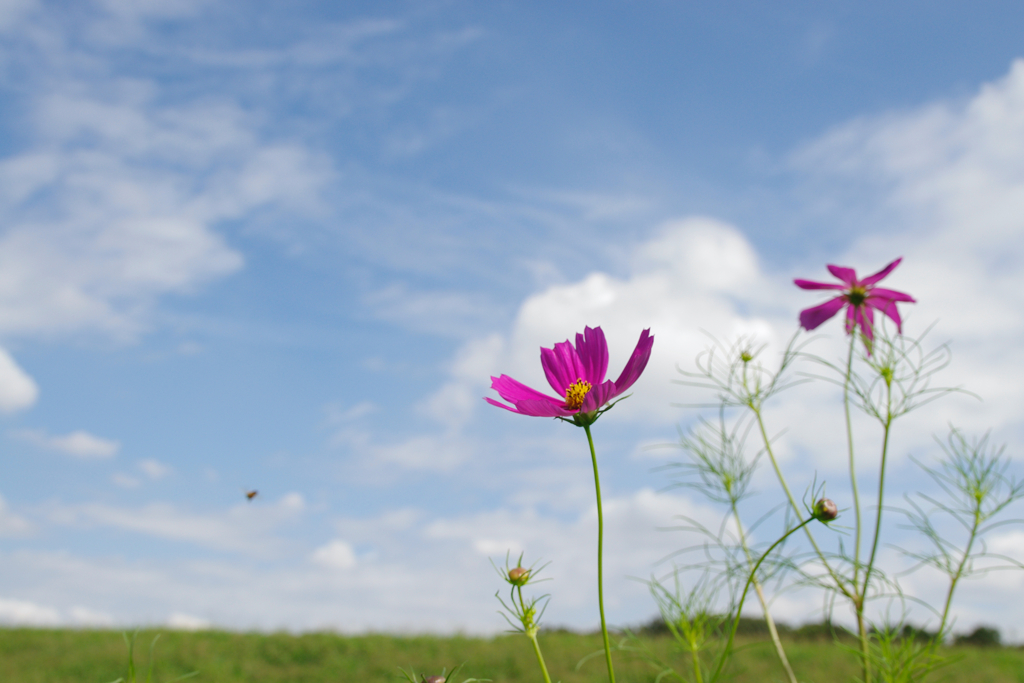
(860, 297)
(577, 374)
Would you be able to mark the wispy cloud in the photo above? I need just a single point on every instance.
(118, 192)
(247, 529)
(80, 444)
(11, 524)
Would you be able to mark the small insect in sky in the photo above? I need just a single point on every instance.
(251, 494)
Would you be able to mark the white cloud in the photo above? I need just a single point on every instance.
(455, 402)
(187, 622)
(417, 572)
(154, 469)
(115, 199)
(422, 452)
(126, 481)
(80, 444)
(442, 313)
(946, 184)
(244, 528)
(26, 613)
(337, 554)
(12, 525)
(84, 616)
(695, 274)
(17, 389)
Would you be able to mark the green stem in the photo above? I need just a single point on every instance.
(540, 657)
(530, 629)
(878, 519)
(853, 473)
(960, 570)
(774, 632)
(858, 599)
(600, 559)
(739, 607)
(792, 501)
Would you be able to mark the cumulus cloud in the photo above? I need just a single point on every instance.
(946, 184)
(694, 276)
(180, 621)
(416, 573)
(17, 389)
(84, 616)
(943, 186)
(337, 554)
(945, 189)
(80, 444)
(26, 613)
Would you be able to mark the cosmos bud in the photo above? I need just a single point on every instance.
(434, 679)
(518, 576)
(825, 510)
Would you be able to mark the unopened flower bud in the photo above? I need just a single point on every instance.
(518, 576)
(825, 510)
(434, 679)
(746, 356)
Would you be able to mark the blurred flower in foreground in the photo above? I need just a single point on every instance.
(861, 298)
(577, 374)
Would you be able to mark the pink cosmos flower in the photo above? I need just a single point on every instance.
(577, 374)
(860, 297)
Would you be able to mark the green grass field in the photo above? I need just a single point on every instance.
(82, 656)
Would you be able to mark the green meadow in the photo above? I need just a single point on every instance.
(90, 656)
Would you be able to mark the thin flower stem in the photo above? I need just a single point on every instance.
(776, 641)
(881, 492)
(531, 633)
(739, 607)
(960, 569)
(858, 598)
(792, 501)
(600, 559)
(853, 473)
(540, 657)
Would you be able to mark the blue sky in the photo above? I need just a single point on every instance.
(282, 246)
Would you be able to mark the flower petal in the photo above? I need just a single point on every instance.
(811, 318)
(865, 318)
(851, 319)
(811, 284)
(887, 306)
(593, 352)
(514, 391)
(562, 366)
(599, 395)
(872, 279)
(636, 363)
(847, 275)
(500, 405)
(891, 294)
(540, 408)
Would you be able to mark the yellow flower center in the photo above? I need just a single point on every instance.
(575, 393)
(856, 296)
